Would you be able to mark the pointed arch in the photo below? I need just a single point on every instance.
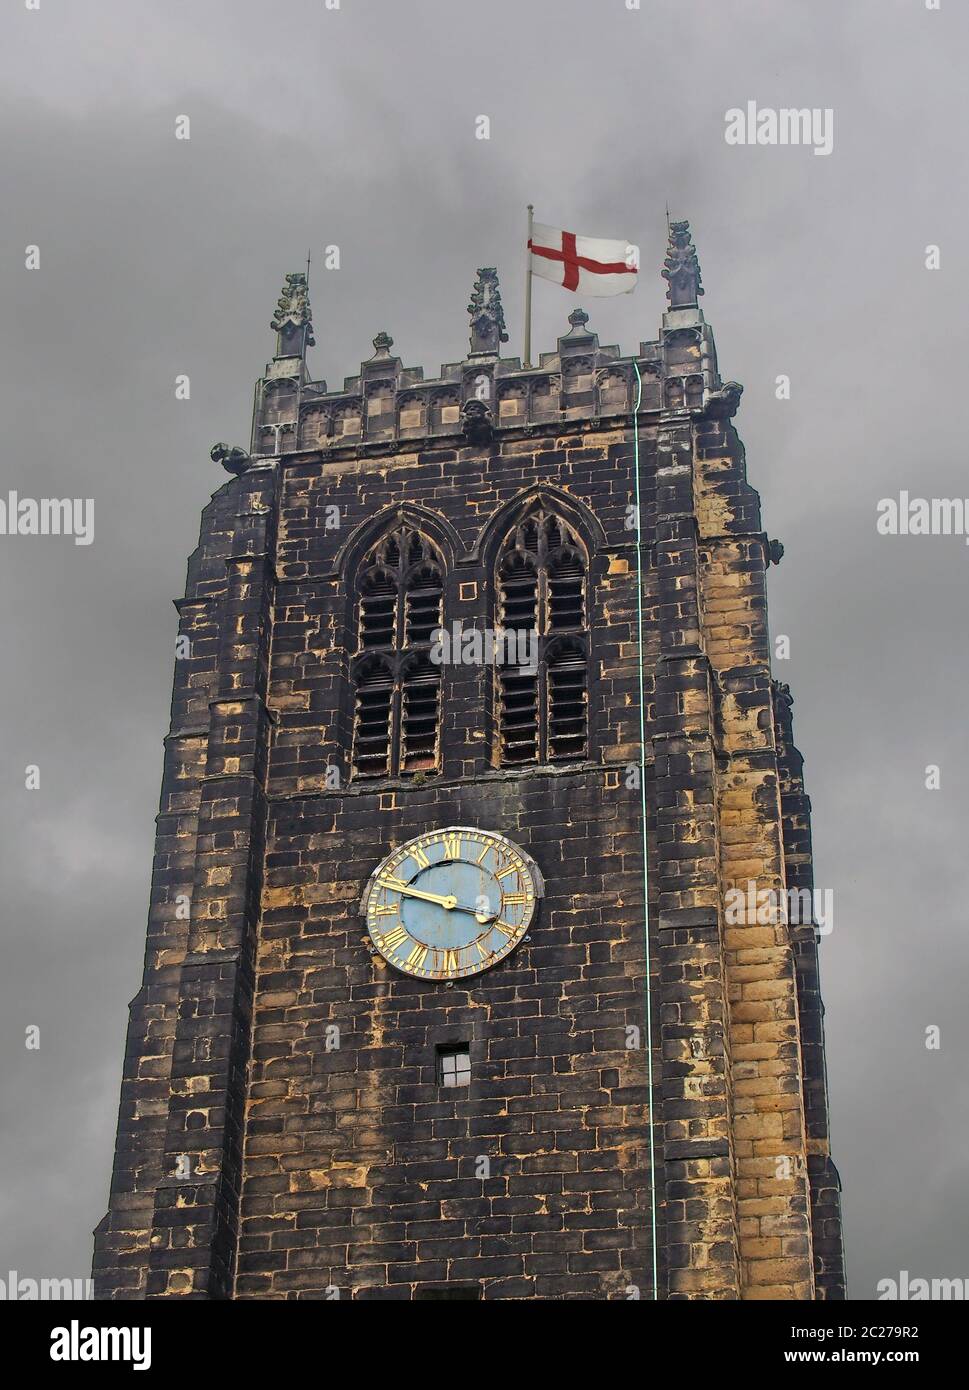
(542, 496)
(397, 575)
(540, 562)
(406, 514)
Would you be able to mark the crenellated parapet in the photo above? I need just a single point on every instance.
(388, 404)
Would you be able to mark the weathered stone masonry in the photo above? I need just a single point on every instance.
(255, 1159)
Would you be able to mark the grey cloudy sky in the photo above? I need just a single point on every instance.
(355, 127)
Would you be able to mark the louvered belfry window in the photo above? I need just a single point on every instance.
(542, 706)
(397, 699)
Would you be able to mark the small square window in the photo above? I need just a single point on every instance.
(454, 1065)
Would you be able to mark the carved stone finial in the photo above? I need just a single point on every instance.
(293, 320)
(487, 315)
(681, 270)
(232, 458)
(382, 344)
(580, 340)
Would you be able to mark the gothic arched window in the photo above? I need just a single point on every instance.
(542, 680)
(397, 700)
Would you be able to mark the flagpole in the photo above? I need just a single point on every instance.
(528, 292)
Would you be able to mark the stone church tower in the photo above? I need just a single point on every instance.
(419, 1017)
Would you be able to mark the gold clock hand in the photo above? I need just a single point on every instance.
(482, 917)
(449, 902)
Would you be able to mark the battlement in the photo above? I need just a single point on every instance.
(582, 380)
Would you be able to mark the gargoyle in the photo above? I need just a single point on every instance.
(784, 707)
(724, 404)
(477, 422)
(232, 458)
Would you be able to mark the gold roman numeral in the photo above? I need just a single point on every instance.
(417, 957)
(381, 911)
(393, 938)
(391, 883)
(513, 899)
(452, 846)
(506, 928)
(419, 857)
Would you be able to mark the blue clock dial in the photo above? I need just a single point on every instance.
(451, 903)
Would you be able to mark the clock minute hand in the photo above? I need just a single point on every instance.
(450, 903)
(482, 917)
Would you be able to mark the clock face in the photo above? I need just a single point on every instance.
(451, 903)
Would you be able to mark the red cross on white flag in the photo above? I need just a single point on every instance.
(590, 265)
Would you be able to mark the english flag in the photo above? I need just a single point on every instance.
(583, 264)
